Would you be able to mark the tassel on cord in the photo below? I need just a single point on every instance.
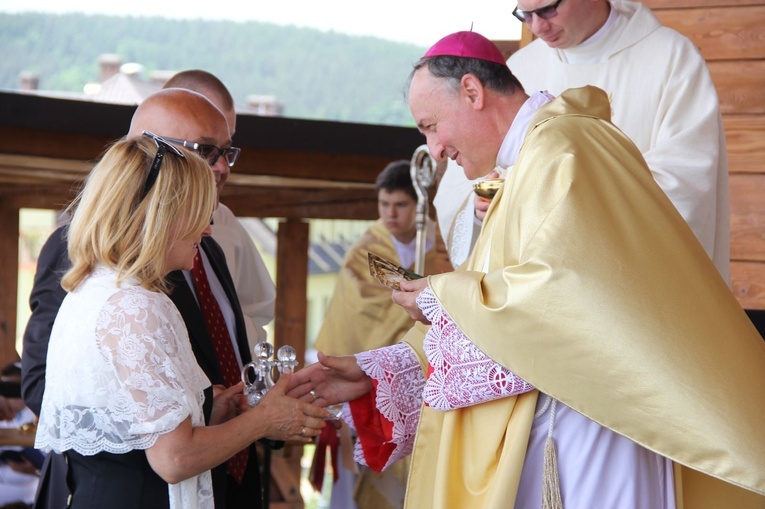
(551, 498)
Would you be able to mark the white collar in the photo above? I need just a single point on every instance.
(593, 50)
(610, 22)
(508, 152)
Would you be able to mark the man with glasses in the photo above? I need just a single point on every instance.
(254, 285)
(661, 96)
(188, 119)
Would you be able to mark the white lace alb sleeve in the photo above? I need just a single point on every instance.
(399, 395)
(463, 235)
(462, 374)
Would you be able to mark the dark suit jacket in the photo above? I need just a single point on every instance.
(45, 300)
(184, 299)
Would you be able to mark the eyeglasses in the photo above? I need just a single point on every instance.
(210, 153)
(543, 12)
(163, 146)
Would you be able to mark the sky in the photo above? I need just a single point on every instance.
(421, 22)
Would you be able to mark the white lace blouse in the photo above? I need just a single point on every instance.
(121, 372)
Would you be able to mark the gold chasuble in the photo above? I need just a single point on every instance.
(598, 294)
(361, 315)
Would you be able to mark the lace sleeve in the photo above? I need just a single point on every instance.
(138, 380)
(398, 379)
(145, 349)
(462, 375)
(463, 234)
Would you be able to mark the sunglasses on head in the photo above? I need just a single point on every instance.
(210, 153)
(543, 12)
(163, 146)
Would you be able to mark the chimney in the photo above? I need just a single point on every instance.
(265, 105)
(28, 81)
(108, 66)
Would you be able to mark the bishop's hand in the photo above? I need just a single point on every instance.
(407, 298)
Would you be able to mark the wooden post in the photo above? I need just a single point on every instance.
(290, 329)
(291, 286)
(9, 281)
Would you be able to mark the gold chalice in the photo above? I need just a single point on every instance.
(488, 188)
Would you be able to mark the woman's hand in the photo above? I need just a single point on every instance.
(189, 450)
(227, 403)
(288, 418)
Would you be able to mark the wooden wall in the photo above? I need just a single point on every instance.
(731, 36)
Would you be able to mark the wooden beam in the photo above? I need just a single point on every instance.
(302, 203)
(57, 125)
(294, 188)
(313, 165)
(288, 168)
(36, 197)
(9, 254)
(54, 154)
(254, 202)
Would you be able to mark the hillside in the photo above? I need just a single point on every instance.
(315, 74)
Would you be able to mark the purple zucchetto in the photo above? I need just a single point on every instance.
(467, 44)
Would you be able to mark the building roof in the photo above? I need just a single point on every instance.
(124, 88)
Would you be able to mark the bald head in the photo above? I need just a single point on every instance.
(184, 115)
(209, 86)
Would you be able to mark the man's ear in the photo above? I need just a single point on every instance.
(472, 91)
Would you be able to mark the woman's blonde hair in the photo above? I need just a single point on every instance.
(115, 225)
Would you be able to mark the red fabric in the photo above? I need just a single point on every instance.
(374, 431)
(327, 440)
(224, 350)
(431, 370)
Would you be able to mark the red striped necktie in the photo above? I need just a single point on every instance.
(224, 350)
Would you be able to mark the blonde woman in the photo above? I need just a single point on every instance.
(123, 392)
